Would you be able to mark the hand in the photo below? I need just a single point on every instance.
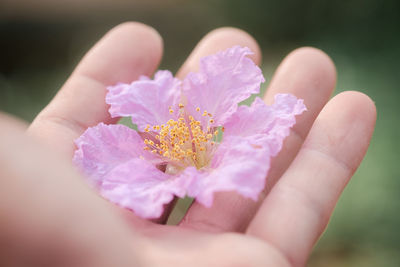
(50, 217)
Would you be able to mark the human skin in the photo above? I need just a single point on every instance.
(50, 217)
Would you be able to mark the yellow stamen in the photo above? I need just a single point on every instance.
(182, 141)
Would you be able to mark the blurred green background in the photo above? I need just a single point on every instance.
(41, 42)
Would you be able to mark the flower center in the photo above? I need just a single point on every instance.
(183, 142)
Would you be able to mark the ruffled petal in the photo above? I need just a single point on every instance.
(103, 147)
(275, 121)
(224, 80)
(239, 164)
(140, 186)
(146, 101)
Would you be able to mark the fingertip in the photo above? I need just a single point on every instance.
(131, 48)
(307, 73)
(360, 109)
(235, 36)
(140, 31)
(134, 26)
(345, 124)
(360, 104)
(355, 107)
(218, 40)
(318, 62)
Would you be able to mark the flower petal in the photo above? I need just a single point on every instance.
(103, 147)
(274, 121)
(240, 164)
(224, 80)
(146, 101)
(141, 187)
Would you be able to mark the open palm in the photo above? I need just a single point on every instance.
(55, 219)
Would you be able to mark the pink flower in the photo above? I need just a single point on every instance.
(193, 138)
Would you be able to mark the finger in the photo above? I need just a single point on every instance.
(48, 216)
(298, 208)
(122, 55)
(307, 73)
(197, 216)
